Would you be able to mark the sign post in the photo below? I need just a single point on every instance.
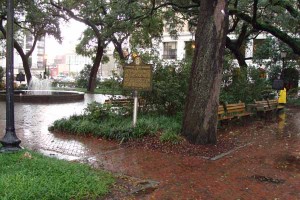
(137, 77)
(135, 107)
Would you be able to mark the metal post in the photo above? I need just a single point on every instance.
(45, 73)
(10, 141)
(135, 108)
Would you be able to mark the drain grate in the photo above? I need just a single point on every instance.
(267, 179)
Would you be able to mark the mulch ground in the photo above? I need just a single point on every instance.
(228, 140)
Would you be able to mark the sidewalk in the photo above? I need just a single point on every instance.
(266, 165)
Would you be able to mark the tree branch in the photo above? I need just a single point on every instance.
(290, 8)
(276, 32)
(75, 17)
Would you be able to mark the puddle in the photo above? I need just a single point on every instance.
(59, 155)
(282, 121)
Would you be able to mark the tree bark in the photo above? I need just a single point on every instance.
(237, 53)
(22, 54)
(25, 61)
(93, 74)
(200, 115)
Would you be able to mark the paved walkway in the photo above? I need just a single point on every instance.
(266, 167)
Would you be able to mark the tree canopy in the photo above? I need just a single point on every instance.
(248, 19)
(34, 18)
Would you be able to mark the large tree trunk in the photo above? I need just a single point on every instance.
(25, 62)
(200, 116)
(26, 68)
(22, 54)
(93, 74)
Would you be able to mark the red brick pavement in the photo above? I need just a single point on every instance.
(265, 167)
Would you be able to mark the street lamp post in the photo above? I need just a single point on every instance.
(45, 63)
(10, 142)
(283, 55)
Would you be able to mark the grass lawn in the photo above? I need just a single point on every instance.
(29, 175)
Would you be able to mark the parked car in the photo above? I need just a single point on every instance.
(68, 79)
(63, 78)
(59, 77)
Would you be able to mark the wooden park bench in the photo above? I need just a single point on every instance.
(262, 106)
(221, 113)
(265, 108)
(274, 103)
(266, 105)
(230, 111)
(119, 102)
(128, 102)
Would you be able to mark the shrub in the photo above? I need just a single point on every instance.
(169, 88)
(96, 111)
(170, 136)
(246, 86)
(293, 101)
(113, 84)
(112, 125)
(83, 77)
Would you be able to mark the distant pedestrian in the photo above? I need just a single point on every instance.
(282, 96)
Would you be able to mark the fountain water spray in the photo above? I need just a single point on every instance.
(39, 86)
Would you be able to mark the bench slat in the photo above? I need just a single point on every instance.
(230, 111)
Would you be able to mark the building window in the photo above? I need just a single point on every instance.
(170, 50)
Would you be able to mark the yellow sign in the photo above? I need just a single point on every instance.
(137, 76)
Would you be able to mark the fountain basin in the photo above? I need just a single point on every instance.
(44, 96)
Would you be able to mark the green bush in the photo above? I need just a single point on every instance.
(113, 125)
(293, 93)
(293, 101)
(63, 84)
(83, 77)
(112, 84)
(96, 111)
(170, 136)
(169, 88)
(246, 86)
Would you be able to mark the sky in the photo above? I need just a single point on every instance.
(71, 32)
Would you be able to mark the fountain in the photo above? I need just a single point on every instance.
(39, 91)
(39, 87)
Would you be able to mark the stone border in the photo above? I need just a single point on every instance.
(55, 96)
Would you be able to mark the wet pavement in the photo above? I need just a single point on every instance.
(264, 166)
